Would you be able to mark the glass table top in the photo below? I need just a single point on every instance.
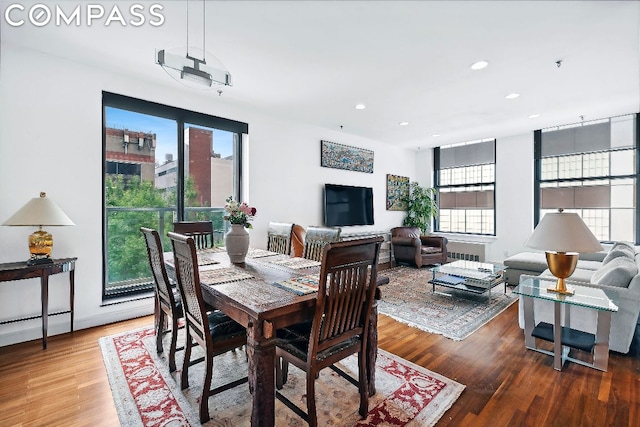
(584, 296)
(470, 269)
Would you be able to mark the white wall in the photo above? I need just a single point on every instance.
(51, 140)
(514, 196)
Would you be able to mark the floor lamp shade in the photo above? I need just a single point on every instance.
(562, 236)
(38, 212)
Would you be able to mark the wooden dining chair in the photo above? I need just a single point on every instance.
(279, 237)
(201, 231)
(339, 328)
(168, 305)
(315, 240)
(213, 330)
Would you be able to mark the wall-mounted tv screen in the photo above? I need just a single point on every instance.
(347, 205)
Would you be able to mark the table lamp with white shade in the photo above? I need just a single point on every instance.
(38, 212)
(562, 236)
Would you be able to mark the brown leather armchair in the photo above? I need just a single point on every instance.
(410, 246)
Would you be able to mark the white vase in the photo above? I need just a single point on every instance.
(237, 243)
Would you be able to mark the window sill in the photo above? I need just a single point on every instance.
(127, 298)
(467, 238)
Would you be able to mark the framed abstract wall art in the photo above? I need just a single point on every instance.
(397, 191)
(338, 156)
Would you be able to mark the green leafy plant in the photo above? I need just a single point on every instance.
(421, 207)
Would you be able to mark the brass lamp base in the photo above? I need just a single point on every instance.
(40, 246)
(561, 288)
(562, 265)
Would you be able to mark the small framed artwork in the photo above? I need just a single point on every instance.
(338, 156)
(397, 191)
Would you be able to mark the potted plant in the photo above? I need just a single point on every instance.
(421, 207)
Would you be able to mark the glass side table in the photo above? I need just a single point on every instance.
(560, 333)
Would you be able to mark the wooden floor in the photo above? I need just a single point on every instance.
(506, 385)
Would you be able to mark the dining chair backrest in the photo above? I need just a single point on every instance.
(158, 269)
(168, 303)
(315, 240)
(298, 234)
(279, 237)
(188, 276)
(201, 231)
(346, 290)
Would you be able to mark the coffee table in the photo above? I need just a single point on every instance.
(469, 276)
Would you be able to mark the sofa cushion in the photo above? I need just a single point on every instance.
(617, 272)
(529, 261)
(430, 250)
(589, 265)
(620, 249)
(624, 245)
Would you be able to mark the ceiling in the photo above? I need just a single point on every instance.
(406, 61)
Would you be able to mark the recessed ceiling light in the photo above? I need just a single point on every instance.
(512, 96)
(403, 123)
(360, 107)
(479, 65)
(435, 135)
(533, 116)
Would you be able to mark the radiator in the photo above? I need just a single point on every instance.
(468, 251)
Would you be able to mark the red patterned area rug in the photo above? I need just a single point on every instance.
(146, 394)
(409, 298)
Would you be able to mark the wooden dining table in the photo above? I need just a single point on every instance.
(262, 307)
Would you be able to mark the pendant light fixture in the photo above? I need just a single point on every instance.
(186, 66)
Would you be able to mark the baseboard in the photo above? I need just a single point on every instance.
(60, 324)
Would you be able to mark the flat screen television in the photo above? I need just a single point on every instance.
(347, 205)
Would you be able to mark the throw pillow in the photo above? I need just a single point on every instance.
(621, 244)
(617, 272)
(617, 252)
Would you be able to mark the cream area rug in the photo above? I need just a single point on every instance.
(409, 298)
(146, 394)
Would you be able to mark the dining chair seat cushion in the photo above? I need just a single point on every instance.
(295, 340)
(222, 327)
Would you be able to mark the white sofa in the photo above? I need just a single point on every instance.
(618, 274)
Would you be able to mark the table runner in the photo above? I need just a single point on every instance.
(210, 250)
(223, 275)
(296, 263)
(300, 285)
(260, 253)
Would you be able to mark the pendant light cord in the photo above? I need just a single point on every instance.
(204, 24)
(187, 27)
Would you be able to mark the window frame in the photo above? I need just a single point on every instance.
(538, 181)
(438, 186)
(181, 116)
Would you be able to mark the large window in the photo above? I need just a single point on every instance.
(590, 168)
(465, 181)
(161, 164)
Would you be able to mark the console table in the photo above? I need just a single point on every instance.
(560, 333)
(21, 270)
